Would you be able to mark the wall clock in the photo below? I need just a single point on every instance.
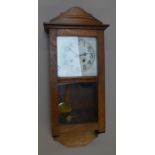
(76, 41)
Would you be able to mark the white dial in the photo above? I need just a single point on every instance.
(76, 56)
(87, 54)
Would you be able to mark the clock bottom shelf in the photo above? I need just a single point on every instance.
(74, 139)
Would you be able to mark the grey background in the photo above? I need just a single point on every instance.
(104, 10)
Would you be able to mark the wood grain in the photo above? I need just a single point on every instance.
(76, 32)
(76, 139)
(101, 83)
(75, 18)
(78, 127)
(53, 77)
(73, 80)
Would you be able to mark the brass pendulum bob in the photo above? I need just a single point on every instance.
(65, 107)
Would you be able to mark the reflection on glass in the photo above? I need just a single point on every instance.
(77, 56)
(78, 103)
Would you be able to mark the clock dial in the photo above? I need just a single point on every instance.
(87, 54)
(76, 56)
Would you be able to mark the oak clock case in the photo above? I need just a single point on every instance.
(76, 41)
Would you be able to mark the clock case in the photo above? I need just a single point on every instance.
(77, 22)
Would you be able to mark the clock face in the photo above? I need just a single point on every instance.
(76, 56)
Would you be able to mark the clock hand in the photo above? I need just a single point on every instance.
(84, 54)
(69, 49)
(77, 55)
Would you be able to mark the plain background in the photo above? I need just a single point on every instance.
(104, 10)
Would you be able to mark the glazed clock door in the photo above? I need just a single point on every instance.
(77, 72)
(77, 79)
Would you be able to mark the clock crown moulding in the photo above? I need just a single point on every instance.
(75, 17)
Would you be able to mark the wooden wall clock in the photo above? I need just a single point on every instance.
(76, 41)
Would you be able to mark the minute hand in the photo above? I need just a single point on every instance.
(70, 50)
(84, 54)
